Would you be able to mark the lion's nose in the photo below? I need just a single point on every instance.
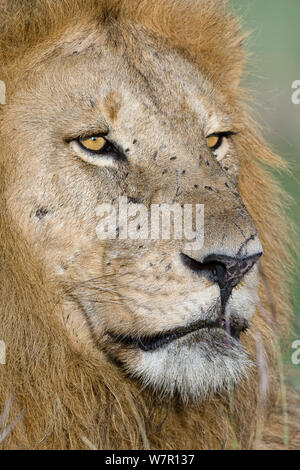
(224, 270)
(228, 272)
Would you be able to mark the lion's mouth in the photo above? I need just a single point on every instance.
(234, 328)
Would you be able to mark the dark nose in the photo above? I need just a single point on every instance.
(224, 270)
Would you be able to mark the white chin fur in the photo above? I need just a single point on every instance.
(194, 367)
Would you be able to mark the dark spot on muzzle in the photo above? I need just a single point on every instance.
(41, 213)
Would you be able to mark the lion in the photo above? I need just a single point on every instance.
(137, 343)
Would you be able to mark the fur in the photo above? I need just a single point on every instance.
(73, 398)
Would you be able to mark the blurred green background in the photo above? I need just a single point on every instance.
(274, 65)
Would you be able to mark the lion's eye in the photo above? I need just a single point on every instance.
(97, 150)
(219, 143)
(96, 144)
(214, 141)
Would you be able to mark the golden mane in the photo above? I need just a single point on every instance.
(73, 400)
(199, 29)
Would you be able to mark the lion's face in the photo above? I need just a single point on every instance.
(168, 312)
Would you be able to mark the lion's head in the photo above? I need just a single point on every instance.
(116, 113)
(113, 108)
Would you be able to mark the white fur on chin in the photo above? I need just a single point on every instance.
(194, 367)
